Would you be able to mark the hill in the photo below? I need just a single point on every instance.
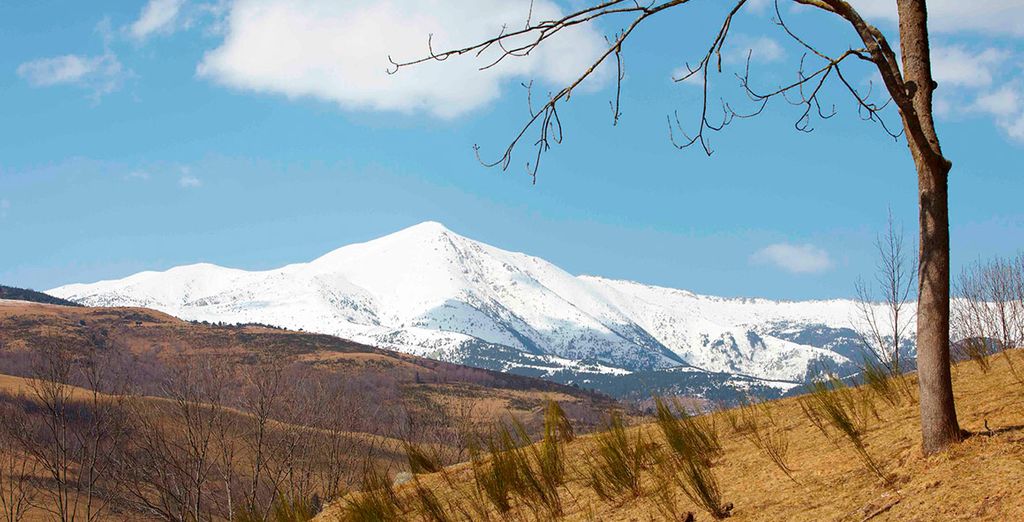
(146, 345)
(23, 294)
(827, 477)
(291, 412)
(428, 291)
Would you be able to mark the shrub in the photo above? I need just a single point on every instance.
(699, 484)
(550, 458)
(617, 461)
(694, 446)
(376, 502)
(493, 476)
(833, 401)
(889, 387)
(691, 437)
(513, 466)
(666, 497)
(428, 506)
(733, 417)
(421, 460)
(295, 509)
(774, 443)
(772, 440)
(540, 487)
(557, 423)
(976, 349)
(807, 407)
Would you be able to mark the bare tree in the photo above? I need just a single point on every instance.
(886, 318)
(75, 435)
(989, 310)
(336, 457)
(277, 439)
(17, 470)
(261, 401)
(967, 321)
(106, 429)
(908, 83)
(170, 465)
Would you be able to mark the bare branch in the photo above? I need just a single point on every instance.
(805, 91)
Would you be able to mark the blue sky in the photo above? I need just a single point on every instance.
(255, 133)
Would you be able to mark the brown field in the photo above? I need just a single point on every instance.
(382, 451)
(163, 338)
(337, 408)
(979, 479)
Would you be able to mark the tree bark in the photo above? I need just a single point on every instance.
(939, 427)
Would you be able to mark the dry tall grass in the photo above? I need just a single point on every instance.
(976, 480)
(693, 446)
(616, 461)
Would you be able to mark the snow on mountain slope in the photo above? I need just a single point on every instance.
(729, 335)
(429, 291)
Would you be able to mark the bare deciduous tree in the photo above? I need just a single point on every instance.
(270, 446)
(75, 435)
(886, 318)
(907, 79)
(335, 448)
(168, 469)
(988, 313)
(17, 469)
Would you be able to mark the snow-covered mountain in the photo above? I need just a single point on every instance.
(429, 291)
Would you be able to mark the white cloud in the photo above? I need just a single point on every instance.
(1006, 106)
(5, 205)
(102, 74)
(760, 49)
(69, 68)
(693, 80)
(188, 181)
(158, 16)
(1014, 127)
(954, 16)
(980, 82)
(138, 174)
(1003, 101)
(958, 66)
(338, 51)
(798, 259)
(760, 6)
(105, 29)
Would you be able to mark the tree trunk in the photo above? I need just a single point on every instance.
(939, 427)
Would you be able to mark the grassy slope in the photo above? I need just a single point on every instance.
(387, 451)
(24, 324)
(980, 479)
(21, 386)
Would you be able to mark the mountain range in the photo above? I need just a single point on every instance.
(428, 291)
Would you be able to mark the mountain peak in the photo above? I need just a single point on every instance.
(426, 228)
(427, 232)
(427, 290)
(409, 238)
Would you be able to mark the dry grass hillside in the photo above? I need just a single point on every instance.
(130, 414)
(24, 472)
(154, 339)
(828, 478)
